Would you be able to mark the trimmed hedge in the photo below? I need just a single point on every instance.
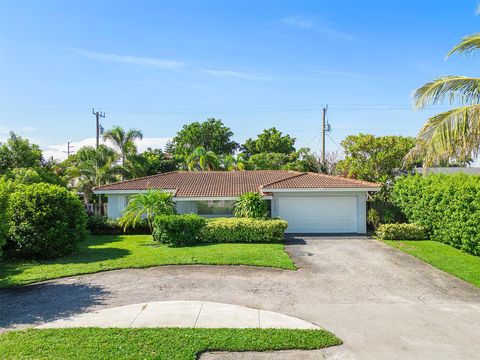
(447, 206)
(178, 230)
(102, 225)
(6, 188)
(401, 232)
(47, 221)
(244, 230)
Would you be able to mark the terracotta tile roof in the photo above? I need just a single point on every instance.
(232, 183)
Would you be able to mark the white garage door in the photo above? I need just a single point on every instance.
(319, 214)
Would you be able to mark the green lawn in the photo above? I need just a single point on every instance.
(101, 253)
(163, 343)
(443, 257)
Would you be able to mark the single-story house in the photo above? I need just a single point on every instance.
(310, 202)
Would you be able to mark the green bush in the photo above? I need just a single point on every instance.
(178, 230)
(250, 205)
(6, 188)
(401, 232)
(102, 225)
(47, 221)
(244, 230)
(447, 206)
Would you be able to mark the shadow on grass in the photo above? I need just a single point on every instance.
(36, 304)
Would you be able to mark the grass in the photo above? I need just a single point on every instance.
(161, 343)
(444, 257)
(100, 253)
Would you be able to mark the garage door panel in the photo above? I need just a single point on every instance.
(319, 214)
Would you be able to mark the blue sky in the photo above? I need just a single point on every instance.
(156, 65)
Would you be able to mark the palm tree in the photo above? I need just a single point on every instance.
(124, 142)
(202, 159)
(453, 134)
(148, 205)
(232, 162)
(94, 167)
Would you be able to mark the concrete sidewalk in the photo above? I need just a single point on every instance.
(191, 314)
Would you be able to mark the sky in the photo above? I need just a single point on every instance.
(157, 65)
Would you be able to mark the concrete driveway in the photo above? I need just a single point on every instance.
(382, 303)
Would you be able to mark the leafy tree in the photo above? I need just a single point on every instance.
(269, 141)
(201, 159)
(148, 205)
(124, 142)
(233, 162)
(250, 205)
(374, 158)
(158, 162)
(94, 167)
(453, 134)
(17, 152)
(212, 135)
(268, 161)
(35, 175)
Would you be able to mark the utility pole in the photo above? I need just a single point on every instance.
(68, 149)
(324, 129)
(98, 115)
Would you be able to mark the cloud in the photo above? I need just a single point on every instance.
(59, 151)
(237, 75)
(131, 60)
(311, 23)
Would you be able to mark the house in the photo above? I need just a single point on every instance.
(310, 202)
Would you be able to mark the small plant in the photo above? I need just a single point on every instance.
(147, 205)
(401, 232)
(250, 205)
(388, 216)
(178, 230)
(373, 218)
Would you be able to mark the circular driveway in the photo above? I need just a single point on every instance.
(381, 302)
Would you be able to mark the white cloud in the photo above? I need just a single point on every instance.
(311, 23)
(131, 60)
(238, 75)
(59, 151)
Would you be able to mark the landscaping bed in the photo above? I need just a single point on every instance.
(100, 253)
(444, 257)
(161, 343)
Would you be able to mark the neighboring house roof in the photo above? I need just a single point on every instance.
(233, 183)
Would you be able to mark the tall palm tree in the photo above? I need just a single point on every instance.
(233, 162)
(94, 167)
(453, 134)
(201, 159)
(124, 142)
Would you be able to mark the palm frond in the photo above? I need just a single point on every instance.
(463, 89)
(451, 134)
(468, 45)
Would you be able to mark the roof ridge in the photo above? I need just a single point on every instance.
(130, 180)
(295, 175)
(345, 178)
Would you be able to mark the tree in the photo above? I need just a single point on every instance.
(453, 134)
(233, 162)
(268, 161)
(212, 135)
(158, 162)
(269, 141)
(201, 159)
(372, 158)
(94, 167)
(17, 152)
(148, 205)
(124, 143)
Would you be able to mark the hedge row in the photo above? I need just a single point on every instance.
(102, 225)
(446, 206)
(401, 232)
(183, 230)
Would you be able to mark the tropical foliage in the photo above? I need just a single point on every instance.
(250, 205)
(453, 134)
(201, 159)
(269, 141)
(147, 205)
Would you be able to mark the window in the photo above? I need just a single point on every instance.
(215, 207)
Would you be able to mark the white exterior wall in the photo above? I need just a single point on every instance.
(361, 203)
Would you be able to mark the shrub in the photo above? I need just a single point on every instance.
(373, 218)
(401, 232)
(244, 230)
(6, 187)
(447, 206)
(178, 230)
(250, 205)
(102, 225)
(47, 221)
